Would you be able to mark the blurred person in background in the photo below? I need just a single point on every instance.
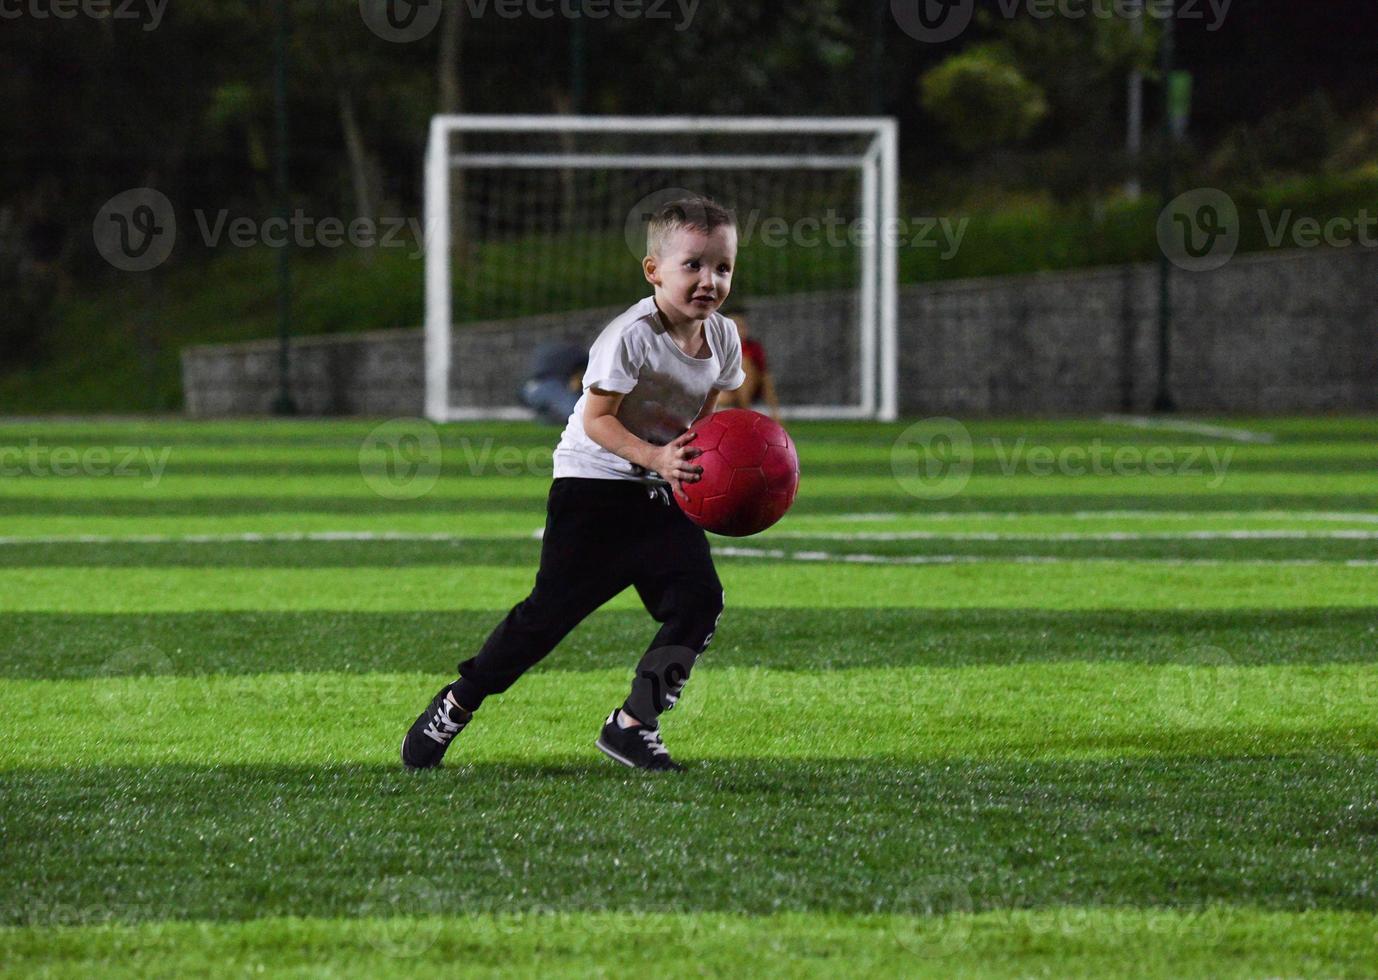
(759, 385)
(555, 380)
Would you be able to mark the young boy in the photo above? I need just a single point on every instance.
(610, 523)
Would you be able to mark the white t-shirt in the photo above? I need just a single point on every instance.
(665, 388)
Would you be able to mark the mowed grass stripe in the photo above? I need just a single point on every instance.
(1060, 711)
(455, 489)
(525, 551)
(74, 511)
(57, 645)
(476, 450)
(433, 935)
(345, 473)
(76, 646)
(754, 836)
(523, 522)
(749, 584)
(344, 431)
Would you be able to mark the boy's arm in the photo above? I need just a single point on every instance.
(671, 461)
(710, 405)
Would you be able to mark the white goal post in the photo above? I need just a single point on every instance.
(536, 196)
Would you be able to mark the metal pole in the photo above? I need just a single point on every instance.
(283, 404)
(1134, 140)
(881, 16)
(1163, 401)
(578, 56)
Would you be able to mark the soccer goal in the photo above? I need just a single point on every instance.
(535, 227)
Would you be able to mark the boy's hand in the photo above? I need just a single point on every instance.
(672, 462)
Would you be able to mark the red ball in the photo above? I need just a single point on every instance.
(750, 474)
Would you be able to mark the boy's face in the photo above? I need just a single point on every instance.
(693, 273)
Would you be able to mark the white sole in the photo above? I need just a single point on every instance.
(614, 756)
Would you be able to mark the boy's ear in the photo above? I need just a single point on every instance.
(648, 269)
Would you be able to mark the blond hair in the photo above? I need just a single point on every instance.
(699, 213)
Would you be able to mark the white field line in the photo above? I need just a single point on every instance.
(1195, 428)
(776, 554)
(1357, 517)
(1238, 535)
(440, 536)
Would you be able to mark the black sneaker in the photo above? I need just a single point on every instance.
(639, 747)
(431, 734)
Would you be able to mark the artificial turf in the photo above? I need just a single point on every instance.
(1113, 724)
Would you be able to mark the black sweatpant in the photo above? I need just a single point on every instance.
(600, 537)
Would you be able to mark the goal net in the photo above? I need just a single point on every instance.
(536, 226)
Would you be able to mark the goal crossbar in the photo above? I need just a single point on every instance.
(636, 161)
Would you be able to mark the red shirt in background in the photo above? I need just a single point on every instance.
(755, 353)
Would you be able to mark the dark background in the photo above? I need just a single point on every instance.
(1285, 96)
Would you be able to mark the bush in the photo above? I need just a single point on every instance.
(982, 99)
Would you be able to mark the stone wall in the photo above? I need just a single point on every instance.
(1289, 331)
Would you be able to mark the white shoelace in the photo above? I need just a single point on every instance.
(442, 721)
(651, 736)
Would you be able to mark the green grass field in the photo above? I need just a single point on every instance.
(986, 718)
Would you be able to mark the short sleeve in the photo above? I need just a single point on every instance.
(732, 375)
(614, 362)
